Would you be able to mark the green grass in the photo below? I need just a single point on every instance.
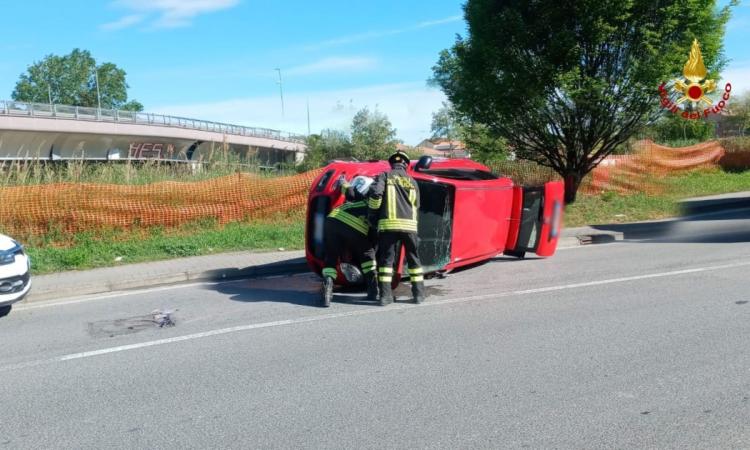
(611, 207)
(116, 247)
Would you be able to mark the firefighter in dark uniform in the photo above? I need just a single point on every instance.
(394, 203)
(347, 228)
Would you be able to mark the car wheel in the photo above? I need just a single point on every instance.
(5, 310)
(517, 254)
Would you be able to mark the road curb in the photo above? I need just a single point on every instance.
(289, 267)
(599, 238)
(709, 205)
(587, 236)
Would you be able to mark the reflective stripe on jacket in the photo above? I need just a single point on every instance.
(353, 214)
(394, 201)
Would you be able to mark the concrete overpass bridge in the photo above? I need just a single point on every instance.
(56, 132)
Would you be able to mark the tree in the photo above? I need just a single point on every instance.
(671, 128)
(373, 136)
(446, 124)
(72, 80)
(324, 147)
(566, 82)
(483, 145)
(738, 122)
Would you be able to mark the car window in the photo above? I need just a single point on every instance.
(461, 174)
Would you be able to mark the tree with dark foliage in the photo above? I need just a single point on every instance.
(566, 82)
(72, 80)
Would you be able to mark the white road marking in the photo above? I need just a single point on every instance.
(395, 307)
(589, 283)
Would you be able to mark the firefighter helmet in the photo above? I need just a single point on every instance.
(399, 158)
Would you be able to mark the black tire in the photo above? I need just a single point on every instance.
(517, 254)
(5, 310)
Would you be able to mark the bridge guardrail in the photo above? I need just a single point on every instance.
(54, 111)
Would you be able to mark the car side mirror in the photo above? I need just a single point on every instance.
(424, 163)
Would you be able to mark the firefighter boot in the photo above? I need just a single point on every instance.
(417, 290)
(327, 291)
(386, 293)
(372, 286)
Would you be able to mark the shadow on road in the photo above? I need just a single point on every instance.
(497, 259)
(289, 266)
(305, 290)
(298, 290)
(302, 289)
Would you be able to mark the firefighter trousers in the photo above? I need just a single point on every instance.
(341, 239)
(387, 245)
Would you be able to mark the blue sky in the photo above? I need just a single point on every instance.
(215, 59)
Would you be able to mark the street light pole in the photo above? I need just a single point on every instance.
(49, 84)
(281, 92)
(98, 96)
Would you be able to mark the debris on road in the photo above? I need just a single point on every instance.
(163, 318)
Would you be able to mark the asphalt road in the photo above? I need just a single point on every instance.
(632, 344)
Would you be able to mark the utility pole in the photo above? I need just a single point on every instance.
(281, 92)
(308, 117)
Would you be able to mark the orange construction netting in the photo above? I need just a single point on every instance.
(72, 207)
(642, 170)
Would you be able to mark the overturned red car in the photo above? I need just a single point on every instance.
(467, 214)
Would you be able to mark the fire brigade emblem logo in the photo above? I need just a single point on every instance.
(695, 86)
(691, 91)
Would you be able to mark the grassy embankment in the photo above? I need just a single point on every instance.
(53, 253)
(610, 207)
(731, 175)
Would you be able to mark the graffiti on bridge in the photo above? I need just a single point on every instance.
(149, 150)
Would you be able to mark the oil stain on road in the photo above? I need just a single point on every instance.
(129, 325)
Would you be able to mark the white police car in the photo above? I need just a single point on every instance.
(15, 281)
